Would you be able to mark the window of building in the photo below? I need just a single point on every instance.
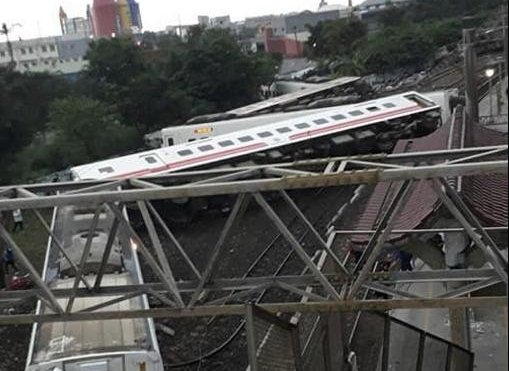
(170, 142)
(25, 65)
(356, 113)
(31, 50)
(44, 48)
(389, 105)
(34, 63)
(52, 48)
(373, 109)
(2, 53)
(106, 170)
(226, 143)
(185, 152)
(338, 117)
(302, 126)
(245, 139)
(46, 62)
(265, 134)
(23, 51)
(284, 130)
(206, 148)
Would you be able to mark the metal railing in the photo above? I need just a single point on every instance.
(386, 343)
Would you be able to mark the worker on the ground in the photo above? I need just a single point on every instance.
(18, 220)
(9, 260)
(405, 261)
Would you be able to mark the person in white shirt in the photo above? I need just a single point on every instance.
(18, 220)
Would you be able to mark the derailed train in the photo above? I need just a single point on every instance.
(359, 128)
(109, 345)
(131, 345)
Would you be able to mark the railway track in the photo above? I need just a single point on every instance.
(281, 259)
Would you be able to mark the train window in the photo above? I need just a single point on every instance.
(185, 152)
(226, 143)
(356, 113)
(106, 170)
(389, 105)
(265, 134)
(192, 140)
(324, 121)
(206, 148)
(245, 139)
(150, 159)
(373, 109)
(302, 126)
(284, 130)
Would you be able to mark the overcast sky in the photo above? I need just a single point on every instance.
(40, 17)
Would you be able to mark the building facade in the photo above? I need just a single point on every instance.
(111, 18)
(296, 23)
(59, 55)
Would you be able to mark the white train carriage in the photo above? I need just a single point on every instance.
(378, 121)
(106, 345)
(182, 134)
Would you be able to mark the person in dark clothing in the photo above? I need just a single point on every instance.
(9, 260)
(406, 261)
(2, 273)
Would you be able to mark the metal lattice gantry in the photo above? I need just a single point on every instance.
(334, 289)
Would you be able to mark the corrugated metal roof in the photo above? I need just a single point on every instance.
(487, 196)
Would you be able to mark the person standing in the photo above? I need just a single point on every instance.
(405, 261)
(9, 260)
(18, 220)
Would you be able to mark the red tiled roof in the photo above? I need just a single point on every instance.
(422, 202)
(486, 195)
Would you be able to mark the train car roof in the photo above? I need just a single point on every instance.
(287, 98)
(62, 339)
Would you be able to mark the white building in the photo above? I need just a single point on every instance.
(59, 54)
(223, 22)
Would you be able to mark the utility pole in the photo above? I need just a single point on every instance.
(5, 31)
(470, 72)
(504, 30)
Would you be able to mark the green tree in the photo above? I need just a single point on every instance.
(85, 130)
(24, 102)
(336, 38)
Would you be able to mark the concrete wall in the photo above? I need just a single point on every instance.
(299, 22)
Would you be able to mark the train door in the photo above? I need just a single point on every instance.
(103, 364)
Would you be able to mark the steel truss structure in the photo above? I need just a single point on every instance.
(338, 289)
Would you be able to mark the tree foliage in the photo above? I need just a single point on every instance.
(24, 107)
(336, 38)
(407, 36)
(129, 89)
